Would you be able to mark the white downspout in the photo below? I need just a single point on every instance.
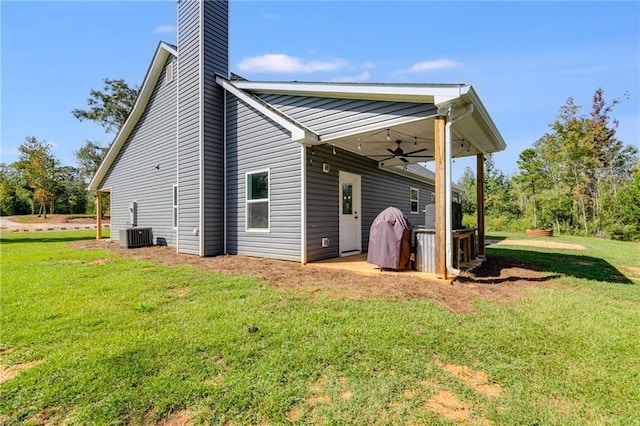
(447, 186)
(224, 170)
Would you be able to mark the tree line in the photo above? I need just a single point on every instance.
(39, 182)
(578, 178)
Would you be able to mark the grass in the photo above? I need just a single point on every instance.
(132, 342)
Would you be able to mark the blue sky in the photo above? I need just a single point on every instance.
(523, 58)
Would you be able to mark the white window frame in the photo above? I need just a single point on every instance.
(262, 200)
(411, 200)
(174, 216)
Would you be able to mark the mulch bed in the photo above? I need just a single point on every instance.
(498, 279)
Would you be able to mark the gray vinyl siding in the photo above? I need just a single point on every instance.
(256, 143)
(214, 60)
(329, 116)
(188, 126)
(133, 176)
(380, 189)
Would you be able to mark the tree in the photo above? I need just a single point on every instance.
(630, 205)
(499, 200)
(15, 197)
(88, 158)
(585, 160)
(469, 194)
(109, 107)
(532, 178)
(38, 165)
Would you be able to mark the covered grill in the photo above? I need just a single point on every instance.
(390, 240)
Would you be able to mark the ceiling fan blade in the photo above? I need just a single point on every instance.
(404, 160)
(392, 151)
(415, 152)
(376, 157)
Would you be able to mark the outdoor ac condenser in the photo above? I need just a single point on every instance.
(136, 237)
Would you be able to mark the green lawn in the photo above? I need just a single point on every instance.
(119, 341)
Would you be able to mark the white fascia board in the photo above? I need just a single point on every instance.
(151, 78)
(437, 94)
(299, 133)
(470, 96)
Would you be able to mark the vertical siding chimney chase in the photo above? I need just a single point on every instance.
(202, 53)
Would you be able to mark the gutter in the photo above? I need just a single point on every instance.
(447, 185)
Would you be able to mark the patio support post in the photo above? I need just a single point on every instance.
(98, 215)
(440, 213)
(480, 201)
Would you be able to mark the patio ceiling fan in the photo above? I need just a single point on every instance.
(399, 153)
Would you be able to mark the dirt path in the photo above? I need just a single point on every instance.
(498, 279)
(540, 244)
(52, 223)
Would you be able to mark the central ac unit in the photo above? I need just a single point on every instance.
(136, 237)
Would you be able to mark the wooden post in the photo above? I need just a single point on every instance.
(441, 170)
(98, 215)
(480, 201)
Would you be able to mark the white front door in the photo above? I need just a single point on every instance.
(350, 214)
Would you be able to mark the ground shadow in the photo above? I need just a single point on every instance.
(496, 270)
(577, 266)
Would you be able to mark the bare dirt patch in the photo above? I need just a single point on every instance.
(499, 279)
(6, 351)
(8, 373)
(57, 219)
(294, 415)
(476, 380)
(180, 292)
(46, 417)
(447, 405)
(179, 418)
(540, 244)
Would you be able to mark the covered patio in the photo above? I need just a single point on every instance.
(417, 123)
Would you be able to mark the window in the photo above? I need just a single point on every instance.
(414, 196)
(175, 206)
(258, 201)
(347, 198)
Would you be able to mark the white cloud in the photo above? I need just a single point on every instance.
(270, 16)
(165, 29)
(438, 64)
(363, 76)
(278, 62)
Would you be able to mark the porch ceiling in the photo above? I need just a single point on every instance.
(378, 144)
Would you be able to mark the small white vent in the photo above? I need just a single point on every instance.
(326, 167)
(168, 75)
(325, 242)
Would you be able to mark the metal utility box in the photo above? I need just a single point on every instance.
(425, 240)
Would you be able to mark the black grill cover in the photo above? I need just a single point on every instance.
(390, 240)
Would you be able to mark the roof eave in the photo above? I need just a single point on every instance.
(153, 73)
(469, 95)
(423, 93)
(299, 133)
